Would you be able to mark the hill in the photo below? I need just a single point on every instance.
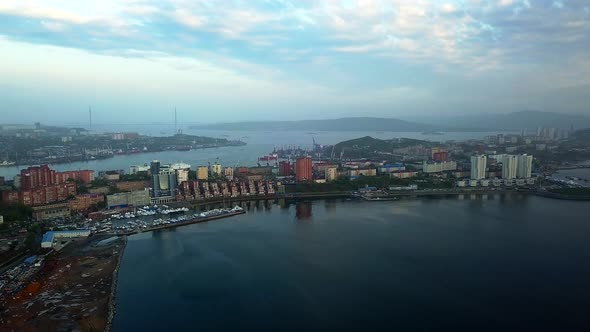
(365, 146)
(342, 124)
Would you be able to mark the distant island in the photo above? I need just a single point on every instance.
(342, 124)
(432, 125)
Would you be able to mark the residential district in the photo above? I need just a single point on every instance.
(43, 210)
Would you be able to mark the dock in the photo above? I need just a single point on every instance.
(195, 220)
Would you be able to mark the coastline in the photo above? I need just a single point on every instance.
(112, 300)
(86, 160)
(112, 305)
(561, 196)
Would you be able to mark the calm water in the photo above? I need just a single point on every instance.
(501, 263)
(259, 144)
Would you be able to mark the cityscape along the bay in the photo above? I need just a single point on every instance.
(46, 209)
(277, 165)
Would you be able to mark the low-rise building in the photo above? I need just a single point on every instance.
(85, 201)
(139, 168)
(331, 174)
(49, 238)
(403, 175)
(133, 198)
(390, 168)
(438, 167)
(400, 188)
(111, 175)
(51, 211)
(355, 173)
(132, 185)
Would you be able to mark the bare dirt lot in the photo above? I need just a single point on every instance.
(71, 292)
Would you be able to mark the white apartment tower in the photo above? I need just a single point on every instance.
(509, 167)
(478, 167)
(525, 166)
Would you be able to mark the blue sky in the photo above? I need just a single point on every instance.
(135, 60)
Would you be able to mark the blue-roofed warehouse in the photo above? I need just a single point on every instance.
(49, 237)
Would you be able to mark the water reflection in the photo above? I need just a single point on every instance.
(303, 210)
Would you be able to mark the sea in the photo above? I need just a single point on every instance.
(259, 143)
(504, 262)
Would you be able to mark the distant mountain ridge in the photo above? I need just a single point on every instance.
(517, 120)
(477, 122)
(342, 124)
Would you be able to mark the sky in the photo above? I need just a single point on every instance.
(134, 61)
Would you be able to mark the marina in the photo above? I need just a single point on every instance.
(120, 227)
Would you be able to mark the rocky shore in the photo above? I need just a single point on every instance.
(112, 301)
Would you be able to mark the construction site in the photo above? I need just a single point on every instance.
(72, 289)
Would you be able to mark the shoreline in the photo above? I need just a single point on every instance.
(64, 162)
(112, 305)
(393, 197)
(112, 300)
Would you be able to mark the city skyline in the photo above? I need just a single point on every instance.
(286, 60)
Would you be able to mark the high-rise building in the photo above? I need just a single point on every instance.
(525, 166)
(478, 167)
(165, 183)
(155, 167)
(182, 175)
(331, 174)
(284, 168)
(304, 169)
(509, 164)
(439, 154)
(182, 171)
(228, 172)
(43, 176)
(203, 173)
(216, 169)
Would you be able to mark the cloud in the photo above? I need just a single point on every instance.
(332, 47)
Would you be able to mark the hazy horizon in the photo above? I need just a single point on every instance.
(134, 61)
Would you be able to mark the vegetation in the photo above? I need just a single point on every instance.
(16, 212)
(139, 176)
(99, 182)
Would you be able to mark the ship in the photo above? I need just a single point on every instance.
(270, 157)
(6, 163)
